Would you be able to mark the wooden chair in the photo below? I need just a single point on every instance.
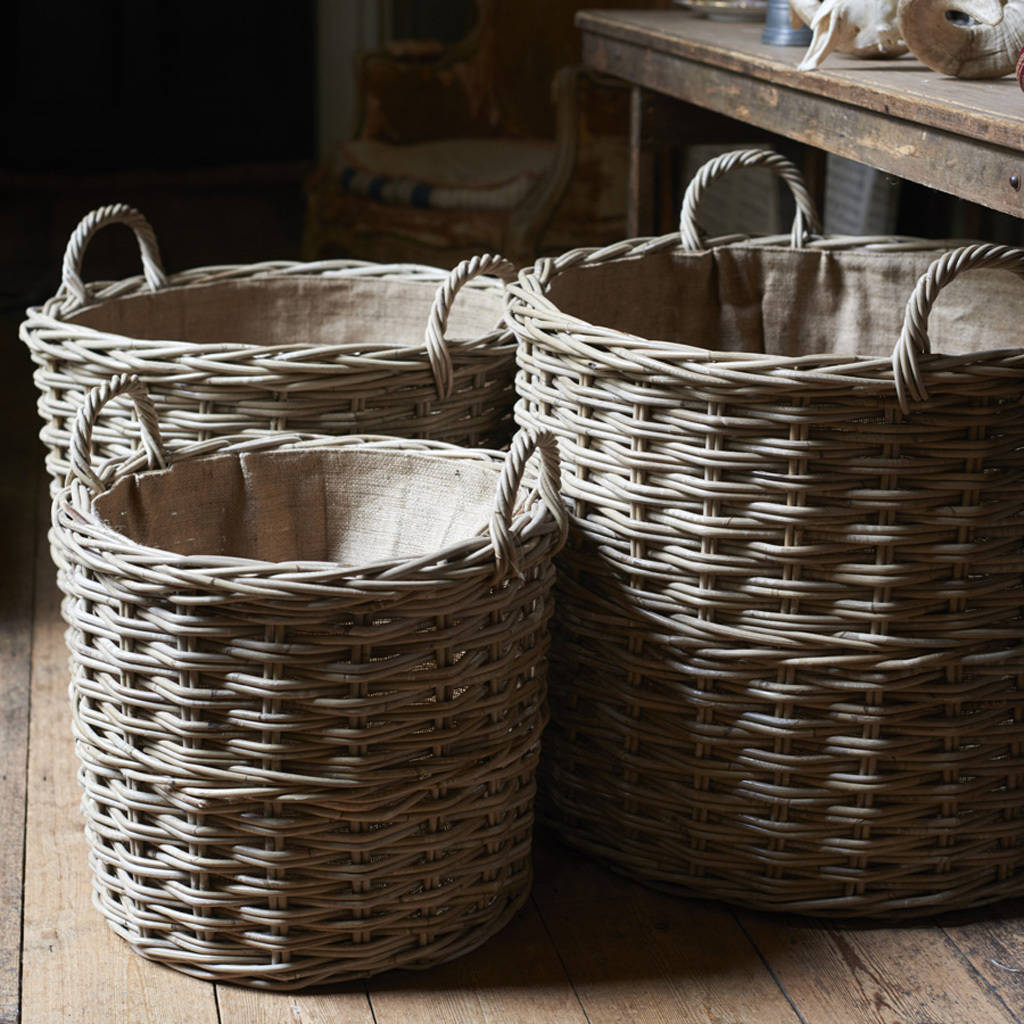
(501, 143)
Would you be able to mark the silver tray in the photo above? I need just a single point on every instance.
(726, 10)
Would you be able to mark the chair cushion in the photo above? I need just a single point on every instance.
(464, 174)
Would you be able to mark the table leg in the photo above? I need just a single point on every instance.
(640, 198)
(660, 128)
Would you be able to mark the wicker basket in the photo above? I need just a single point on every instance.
(308, 690)
(334, 347)
(787, 660)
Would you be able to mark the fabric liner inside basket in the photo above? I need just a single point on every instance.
(293, 310)
(327, 505)
(786, 302)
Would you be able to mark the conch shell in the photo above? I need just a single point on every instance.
(861, 28)
(964, 38)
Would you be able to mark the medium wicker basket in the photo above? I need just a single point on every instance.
(308, 689)
(788, 652)
(333, 347)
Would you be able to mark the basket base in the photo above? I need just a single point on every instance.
(960, 890)
(313, 971)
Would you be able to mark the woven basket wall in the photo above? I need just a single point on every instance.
(333, 347)
(787, 661)
(308, 687)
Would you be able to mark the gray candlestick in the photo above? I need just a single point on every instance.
(778, 29)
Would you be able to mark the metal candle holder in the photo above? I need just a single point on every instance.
(778, 29)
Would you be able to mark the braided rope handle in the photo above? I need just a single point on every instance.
(437, 347)
(805, 222)
(85, 421)
(913, 340)
(524, 444)
(72, 285)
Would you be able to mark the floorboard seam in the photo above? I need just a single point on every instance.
(558, 953)
(985, 983)
(369, 1002)
(768, 967)
(38, 533)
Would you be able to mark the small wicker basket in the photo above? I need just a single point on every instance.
(788, 653)
(333, 347)
(308, 689)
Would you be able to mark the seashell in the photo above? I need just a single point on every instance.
(964, 38)
(861, 28)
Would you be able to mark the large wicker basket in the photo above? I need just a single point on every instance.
(333, 347)
(788, 653)
(308, 690)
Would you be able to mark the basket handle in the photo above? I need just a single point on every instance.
(805, 222)
(913, 339)
(72, 286)
(524, 444)
(437, 347)
(85, 421)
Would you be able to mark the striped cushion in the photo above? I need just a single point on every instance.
(465, 174)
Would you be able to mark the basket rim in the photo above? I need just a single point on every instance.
(72, 514)
(47, 315)
(536, 319)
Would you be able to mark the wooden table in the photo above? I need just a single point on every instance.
(961, 137)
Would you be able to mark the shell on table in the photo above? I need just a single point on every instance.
(973, 39)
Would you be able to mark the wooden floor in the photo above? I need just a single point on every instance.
(590, 946)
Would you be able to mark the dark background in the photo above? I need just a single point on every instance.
(203, 115)
(112, 85)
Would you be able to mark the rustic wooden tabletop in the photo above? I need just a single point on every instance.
(961, 137)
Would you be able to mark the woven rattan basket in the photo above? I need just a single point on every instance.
(787, 661)
(308, 689)
(333, 347)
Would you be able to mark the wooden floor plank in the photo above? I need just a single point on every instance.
(18, 503)
(634, 954)
(75, 968)
(515, 978)
(349, 1005)
(992, 941)
(874, 974)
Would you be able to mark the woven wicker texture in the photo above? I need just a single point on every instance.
(333, 347)
(298, 771)
(786, 661)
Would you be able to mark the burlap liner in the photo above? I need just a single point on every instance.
(348, 507)
(294, 311)
(787, 302)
